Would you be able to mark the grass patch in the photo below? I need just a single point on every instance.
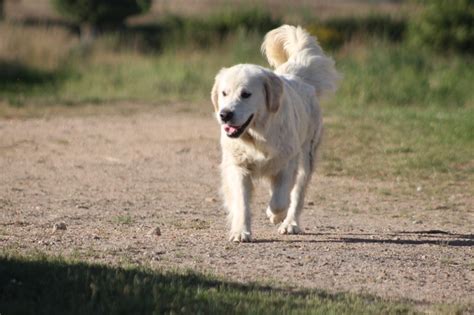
(396, 75)
(415, 143)
(123, 219)
(103, 73)
(43, 285)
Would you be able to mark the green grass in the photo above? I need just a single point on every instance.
(100, 74)
(403, 113)
(395, 75)
(123, 219)
(381, 74)
(40, 285)
(411, 142)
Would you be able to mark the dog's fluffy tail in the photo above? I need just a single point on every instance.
(292, 50)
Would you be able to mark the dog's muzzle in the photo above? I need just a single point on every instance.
(237, 131)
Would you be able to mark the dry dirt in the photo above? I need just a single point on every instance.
(112, 179)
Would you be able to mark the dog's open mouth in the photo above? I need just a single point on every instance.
(236, 131)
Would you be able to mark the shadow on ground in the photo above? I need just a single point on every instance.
(53, 286)
(429, 237)
(17, 77)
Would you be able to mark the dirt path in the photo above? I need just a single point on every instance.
(112, 178)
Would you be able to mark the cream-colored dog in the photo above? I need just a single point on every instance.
(272, 127)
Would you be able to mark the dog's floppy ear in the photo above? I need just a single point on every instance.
(215, 95)
(273, 91)
(215, 91)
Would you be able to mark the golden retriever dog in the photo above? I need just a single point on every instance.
(271, 127)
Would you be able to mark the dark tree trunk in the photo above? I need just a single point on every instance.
(88, 32)
(2, 9)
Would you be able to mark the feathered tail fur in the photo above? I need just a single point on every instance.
(292, 50)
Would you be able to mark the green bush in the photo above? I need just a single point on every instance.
(175, 31)
(328, 37)
(445, 25)
(100, 13)
(216, 27)
(382, 26)
(334, 32)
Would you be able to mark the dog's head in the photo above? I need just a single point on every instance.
(244, 94)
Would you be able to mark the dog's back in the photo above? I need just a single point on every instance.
(291, 50)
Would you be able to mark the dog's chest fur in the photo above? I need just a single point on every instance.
(257, 156)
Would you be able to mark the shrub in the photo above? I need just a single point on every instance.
(249, 20)
(172, 31)
(333, 32)
(372, 25)
(328, 37)
(205, 31)
(96, 14)
(445, 25)
(2, 9)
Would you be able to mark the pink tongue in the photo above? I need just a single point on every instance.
(229, 129)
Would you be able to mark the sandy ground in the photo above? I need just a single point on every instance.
(113, 178)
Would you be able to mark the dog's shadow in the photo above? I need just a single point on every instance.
(428, 237)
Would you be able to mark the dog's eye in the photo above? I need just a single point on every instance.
(224, 93)
(245, 94)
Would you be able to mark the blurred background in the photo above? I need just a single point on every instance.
(407, 92)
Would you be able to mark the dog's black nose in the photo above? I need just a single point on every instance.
(226, 115)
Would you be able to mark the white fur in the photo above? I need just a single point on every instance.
(281, 141)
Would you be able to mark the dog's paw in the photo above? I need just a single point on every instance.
(290, 228)
(275, 218)
(240, 237)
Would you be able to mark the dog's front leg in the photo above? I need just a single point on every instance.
(237, 194)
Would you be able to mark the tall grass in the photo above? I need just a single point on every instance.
(379, 73)
(386, 74)
(44, 49)
(100, 74)
(172, 60)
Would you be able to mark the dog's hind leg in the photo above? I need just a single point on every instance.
(305, 169)
(280, 189)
